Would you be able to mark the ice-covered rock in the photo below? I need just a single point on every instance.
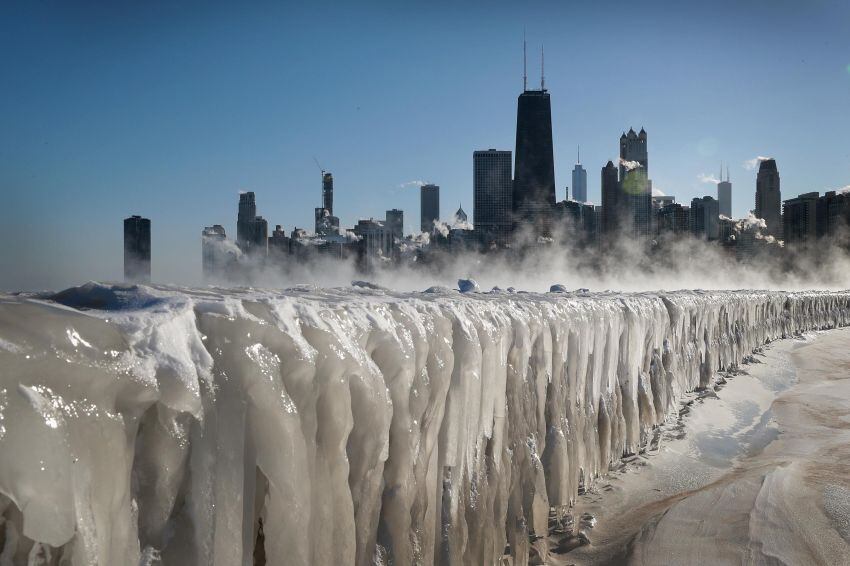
(432, 428)
(557, 288)
(467, 285)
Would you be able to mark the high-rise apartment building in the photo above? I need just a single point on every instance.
(492, 189)
(137, 249)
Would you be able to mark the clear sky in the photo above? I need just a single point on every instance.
(168, 109)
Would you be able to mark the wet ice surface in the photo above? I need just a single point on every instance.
(360, 425)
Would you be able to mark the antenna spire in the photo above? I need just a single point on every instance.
(542, 74)
(578, 155)
(721, 170)
(727, 173)
(524, 64)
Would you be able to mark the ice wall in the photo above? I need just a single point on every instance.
(346, 426)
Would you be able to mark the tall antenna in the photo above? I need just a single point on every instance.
(524, 59)
(542, 75)
(578, 155)
(727, 173)
(721, 171)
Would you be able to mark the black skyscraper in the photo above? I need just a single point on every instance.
(613, 201)
(245, 219)
(429, 207)
(534, 169)
(137, 249)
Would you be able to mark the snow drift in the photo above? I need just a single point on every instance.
(141, 425)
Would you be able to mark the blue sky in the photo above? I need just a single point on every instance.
(168, 109)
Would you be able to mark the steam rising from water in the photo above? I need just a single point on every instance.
(681, 262)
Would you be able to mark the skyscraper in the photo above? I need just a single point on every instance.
(247, 213)
(325, 221)
(769, 197)
(213, 254)
(252, 231)
(634, 181)
(395, 226)
(137, 249)
(724, 194)
(612, 200)
(328, 192)
(705, 218)
(534, 170)
(799, 219)
(492, 195)
(429, 207)
(579, 181)
(460, 215)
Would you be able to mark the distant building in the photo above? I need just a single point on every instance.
(374, 237)
(395, 223)
(799, 219)
(578, 222)
(660, 201)
(833, 214)
(705, 218)
(252, 231)
(278, 241)
(724, 195)
(214, 258)
(247, 213)
(492, 196)
(462, 239)
(579, 182)
(325, 221)
(613, 206)
(328, 192)
(460, 215)
(769, 197)
(137, 249)
(534, 170)
(672, 218)
(259, 243)
(429, 207)
(634, 181)
(395, 227)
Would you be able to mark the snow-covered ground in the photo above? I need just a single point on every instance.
(341, 426)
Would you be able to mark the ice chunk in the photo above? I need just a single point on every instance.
(467, 285)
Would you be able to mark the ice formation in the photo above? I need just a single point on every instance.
(342, 426)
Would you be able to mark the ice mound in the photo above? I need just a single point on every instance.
(557, 288)
(467, 285)
(107, 297)
(337, 426)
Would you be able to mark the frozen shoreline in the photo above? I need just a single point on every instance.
(418, 428)
(759, 476)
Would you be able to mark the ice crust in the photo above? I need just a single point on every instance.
(363, 426)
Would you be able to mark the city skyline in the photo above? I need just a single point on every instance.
(69, 186)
